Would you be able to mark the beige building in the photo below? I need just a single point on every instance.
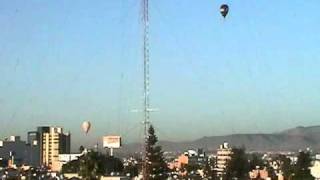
(54, 142)
(315, 169)
(223, 156)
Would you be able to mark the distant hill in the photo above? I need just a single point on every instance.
(288, 140)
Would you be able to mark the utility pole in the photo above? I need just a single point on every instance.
(146, 78)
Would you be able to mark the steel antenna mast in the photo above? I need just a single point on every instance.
(146, 82)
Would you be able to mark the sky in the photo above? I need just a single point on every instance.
(64, 62)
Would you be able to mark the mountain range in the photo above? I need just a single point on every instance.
(288, 140)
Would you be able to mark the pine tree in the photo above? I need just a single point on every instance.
(238, 166)
(156, 167)
(302, 166)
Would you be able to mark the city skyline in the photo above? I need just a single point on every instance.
(63, 63)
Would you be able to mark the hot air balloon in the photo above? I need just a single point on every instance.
(224, 9)
(86, 125)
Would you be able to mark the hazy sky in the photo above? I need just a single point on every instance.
(63, 62)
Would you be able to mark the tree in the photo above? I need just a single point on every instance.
(92, 165)
(112, 165)
(192, 171)
(71, 167)
(271, 172)
(131, 169)
(301, 169)
(238, 165)
(285, 166)
(256, 160)
(208, 169)
(156, 167)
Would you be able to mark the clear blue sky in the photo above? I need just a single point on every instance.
(63, 62)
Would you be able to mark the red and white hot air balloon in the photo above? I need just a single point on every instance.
(86, 125)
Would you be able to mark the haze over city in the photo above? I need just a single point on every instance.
(64, 62)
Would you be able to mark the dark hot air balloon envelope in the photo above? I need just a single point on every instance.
(224, 9)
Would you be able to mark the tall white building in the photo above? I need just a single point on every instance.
(223, 156)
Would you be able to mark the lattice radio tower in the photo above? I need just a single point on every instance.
(146, 82)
